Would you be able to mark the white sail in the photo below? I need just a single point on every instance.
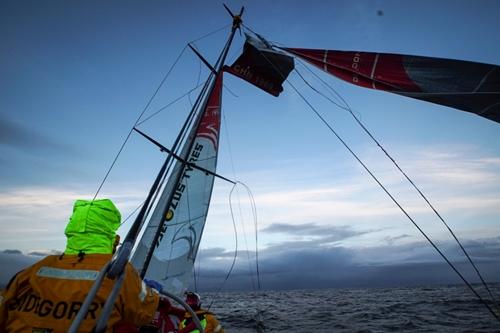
(175, 251)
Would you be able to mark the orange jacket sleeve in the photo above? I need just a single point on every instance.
(138, 301)
(213, 324)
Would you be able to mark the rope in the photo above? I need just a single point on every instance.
(254, 214)
(210, 33)
(365, 129)
(235, 249)
(130, 215)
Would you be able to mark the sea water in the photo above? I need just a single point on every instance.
(422, 309)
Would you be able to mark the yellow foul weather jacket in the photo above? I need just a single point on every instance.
(208, 321)
(47, 296)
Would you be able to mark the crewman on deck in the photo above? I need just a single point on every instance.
(207, 319)
(46, 296)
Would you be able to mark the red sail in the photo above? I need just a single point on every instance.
(468, 86)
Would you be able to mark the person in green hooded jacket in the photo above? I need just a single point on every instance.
(46, 296)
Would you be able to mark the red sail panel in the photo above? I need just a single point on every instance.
(468, 86)
(210, 123)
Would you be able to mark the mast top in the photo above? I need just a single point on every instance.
(237, 21)
(236, 18)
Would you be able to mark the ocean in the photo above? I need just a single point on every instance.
(416, 309)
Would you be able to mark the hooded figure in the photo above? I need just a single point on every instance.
(46, 296)
(92, 227)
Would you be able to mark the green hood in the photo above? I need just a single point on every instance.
(92, 227)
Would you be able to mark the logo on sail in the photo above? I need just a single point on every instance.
(210, 125)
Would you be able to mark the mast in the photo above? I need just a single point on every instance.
(177, 173)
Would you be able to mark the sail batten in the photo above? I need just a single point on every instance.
(464, 85)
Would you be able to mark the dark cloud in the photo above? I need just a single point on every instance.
(214, 252)
(33, 158)
(391, 240)
(324, 232)
(21, 137)
(484, 249)
(11, 252)
(307, 264)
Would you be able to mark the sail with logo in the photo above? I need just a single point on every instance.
(174, 252)
(464, 85)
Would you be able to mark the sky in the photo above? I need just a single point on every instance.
(75, 76)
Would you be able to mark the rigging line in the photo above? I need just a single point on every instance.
(130, 215)
(347, 107)
(197, 83)
(246, 243)
(169, 104)
(235, 248)
(244, 235)
(198, 77)
(254, 213)
(225, 86)
(211, 33)
(230, 91)
(322, 119)
(142, 113)
(422, 195)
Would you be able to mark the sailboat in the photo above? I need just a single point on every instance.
(164, 239)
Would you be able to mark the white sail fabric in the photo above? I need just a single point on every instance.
(175, 252)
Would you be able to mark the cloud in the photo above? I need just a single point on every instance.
(23, 138)
(11, 252)
(35, 216)
(391, 240)
(320, 234)
(311, 264)
(312, 229)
